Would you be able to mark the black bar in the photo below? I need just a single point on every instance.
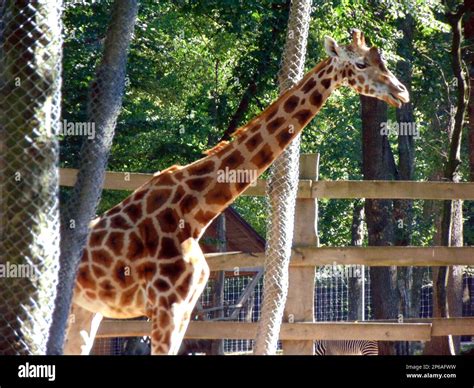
(246, 371)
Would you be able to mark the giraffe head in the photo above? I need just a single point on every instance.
(364, 70)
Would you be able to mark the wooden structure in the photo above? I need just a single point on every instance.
(239, 235)
(300, 330)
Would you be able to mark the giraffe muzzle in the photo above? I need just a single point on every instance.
(398, 94)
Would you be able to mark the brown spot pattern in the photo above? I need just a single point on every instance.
(326, 82)
(161, 285)
(254, 142)
(291, 104)
(303, 116)
(146, 271)
(201, 168)
(164, 319)
(156, 199)
(204, 217)
(173, 270)
(198, 184)
(114, 210)
(101, 224)
(97, 238)
(168, 220)
(184, 232)
(122, 274)
(242, 137)
(149, 236)
(310, 84)
(136, 249)
(119, 222)
(128, 296)
(168, 248)
(101, 257)
(165, 179)
(220, 194)
(284, 137)
(85, 279)
(188, 203)
(85, 256)
(134, 212)
(263, 157)
(98, 272)
(151, 294)
(115, 242)
(275, 124)
(271, 114)
(255, 128)
(107, 290)
(138, 196)
(232, 161)
(178, 194)
(316, 99)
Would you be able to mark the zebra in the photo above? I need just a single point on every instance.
(349, 347)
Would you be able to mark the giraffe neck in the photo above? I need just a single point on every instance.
(231, 167)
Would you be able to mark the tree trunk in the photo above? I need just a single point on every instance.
(469, 34)
(377, 163)
(105, 102)
(356, 289)
(409, 278)
(30, 80)
(449, 224)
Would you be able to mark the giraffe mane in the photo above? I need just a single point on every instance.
(216, 148)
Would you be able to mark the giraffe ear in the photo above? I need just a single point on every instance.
(331, 46)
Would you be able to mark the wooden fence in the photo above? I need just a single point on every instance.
(298, 336)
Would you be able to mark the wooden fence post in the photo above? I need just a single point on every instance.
(300, 302)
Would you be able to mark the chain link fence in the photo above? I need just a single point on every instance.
(282, 190)
(30, 84)
(333, 301)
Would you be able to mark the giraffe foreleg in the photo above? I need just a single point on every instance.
(81, 332)
(172, 310)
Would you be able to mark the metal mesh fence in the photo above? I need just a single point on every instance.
(30, 82)
(104, 105)
(281, 191)
(233, 288)
(332, 302)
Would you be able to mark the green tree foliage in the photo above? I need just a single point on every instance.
(191, 61)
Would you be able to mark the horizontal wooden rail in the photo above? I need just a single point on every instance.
(373, 256)
(441, 326)
(378, 331)
(392, 190)
(315, 189)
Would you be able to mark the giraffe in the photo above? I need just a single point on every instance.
(142, 256)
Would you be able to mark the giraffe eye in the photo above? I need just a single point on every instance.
(361, 66)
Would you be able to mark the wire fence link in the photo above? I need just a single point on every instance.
(30, 84)
(281, 191)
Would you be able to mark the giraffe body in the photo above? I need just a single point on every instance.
(142, 256)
